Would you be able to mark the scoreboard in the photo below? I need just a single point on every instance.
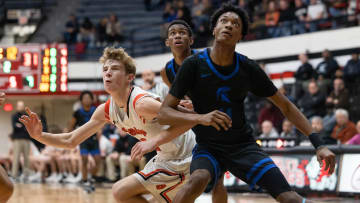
(34, 68)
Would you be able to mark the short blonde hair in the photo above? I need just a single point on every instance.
(119, 54)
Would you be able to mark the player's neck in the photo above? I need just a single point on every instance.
(121, 97)
(180, 57)
(222, 54)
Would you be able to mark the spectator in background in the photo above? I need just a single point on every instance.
(326, 71)
(271, 113)
(300, 14)
(313, 102)
(339, 97)
(268, 131)
(158, 88)
(356, 139)
(186, 14)
(114, 29)
(352, 69)
(272, 18)
(196, 8)
(353, 12)
(169, 13)
(287, 129)
(101, 36)
(21, 144)
(71, 30)
(315, 14)
(303, 75)
(87, 33)
(317, 124)
(286, 19)
(344, 129)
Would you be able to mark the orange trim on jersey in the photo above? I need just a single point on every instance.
(182, 178)
(107, 109)
(164, 193)
(137, 98)
(157, 170)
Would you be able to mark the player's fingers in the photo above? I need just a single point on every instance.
(332, 164)
(327, 163)
(23, 121)
(221, 123)
(223, 114)
(223, 118)
(320, 161)
(134, 150)
(215, 125)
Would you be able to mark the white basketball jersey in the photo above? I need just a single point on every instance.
(179, 148)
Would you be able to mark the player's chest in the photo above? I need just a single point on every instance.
(214, 87)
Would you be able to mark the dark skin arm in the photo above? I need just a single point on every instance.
(169, 115)
(165, 78)
(292, 113)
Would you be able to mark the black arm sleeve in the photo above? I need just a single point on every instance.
(260, 85)
(185, 78)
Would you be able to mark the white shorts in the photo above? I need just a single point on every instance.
(164, 178)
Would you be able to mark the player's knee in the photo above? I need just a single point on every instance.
(199, 179)
(119, 191)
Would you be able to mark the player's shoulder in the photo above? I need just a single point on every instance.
(247, 62)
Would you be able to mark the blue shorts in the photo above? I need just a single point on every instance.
(89, 146)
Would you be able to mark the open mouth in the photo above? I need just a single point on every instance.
(227, 33)
(178, 43)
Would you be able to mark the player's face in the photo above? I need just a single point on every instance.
(115, 77)
(228, 28)
(178, 38)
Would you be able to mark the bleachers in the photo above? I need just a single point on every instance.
(141, 27)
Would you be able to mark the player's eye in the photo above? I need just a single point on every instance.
(223, 21)
(172, 33)
(182, 33)
(236, 24)
(105, 69)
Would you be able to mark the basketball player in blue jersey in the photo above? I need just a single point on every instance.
(6, 186)
(217, 81)
(179, 39)
(91, 145)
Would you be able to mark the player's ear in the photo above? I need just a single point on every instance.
(167, 42)
(130, 77)
(191, 41)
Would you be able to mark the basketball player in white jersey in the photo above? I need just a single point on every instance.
(134, 111)
(6, 186)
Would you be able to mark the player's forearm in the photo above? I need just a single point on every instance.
(297, 118)
(170, 116)
(170, 134)
(62, 140)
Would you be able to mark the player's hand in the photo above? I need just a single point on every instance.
(323, 153)
(2, 98)
(32, 123)
(187, 104)
(141, 148)
(217, 119)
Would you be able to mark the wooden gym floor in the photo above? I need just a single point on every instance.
(46, 193)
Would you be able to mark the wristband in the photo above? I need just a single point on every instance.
(316, 140)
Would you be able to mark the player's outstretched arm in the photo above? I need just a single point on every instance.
(170, 115)
(294, 115)
(63, 140)
(2, 98)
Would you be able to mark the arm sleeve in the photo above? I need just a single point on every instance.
(185, 78)
(260, 85)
